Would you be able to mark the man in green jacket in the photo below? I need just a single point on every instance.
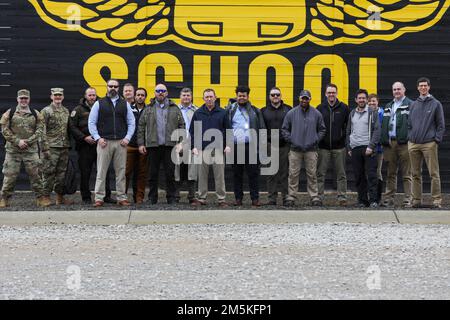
(156, 126)
(394, 138)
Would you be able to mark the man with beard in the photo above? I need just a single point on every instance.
(303, 128)
(137, 166)
(274, 114)
(363, 136)
(111, 124)
(86, 145)
(245, 119)
(156, 125)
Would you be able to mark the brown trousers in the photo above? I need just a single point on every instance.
(396, 155)
(429, 153)
(137, 167)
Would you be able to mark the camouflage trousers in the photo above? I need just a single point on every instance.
(11, 169)
(55, 170)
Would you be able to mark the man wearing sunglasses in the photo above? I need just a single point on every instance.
(156, 125)
(273, 115)
(111, 124)
(23, 128)
(303, 127)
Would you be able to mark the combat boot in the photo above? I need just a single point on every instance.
(43, 201)
(4, 203)
(61, 200)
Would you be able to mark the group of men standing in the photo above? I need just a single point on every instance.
(140, 139)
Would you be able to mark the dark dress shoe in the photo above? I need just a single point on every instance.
(238, 203)
(109, 200)
(256, 203)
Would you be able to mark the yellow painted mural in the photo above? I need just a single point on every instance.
(241, 25)
(231, 28)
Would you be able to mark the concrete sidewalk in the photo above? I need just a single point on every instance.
(145, 217)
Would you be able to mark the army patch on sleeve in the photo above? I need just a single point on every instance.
(73, 114)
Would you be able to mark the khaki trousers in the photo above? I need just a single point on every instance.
(429, 153)
(309, 159)
(338, 157)
(217, 162)
(118, 154)
(397, 155)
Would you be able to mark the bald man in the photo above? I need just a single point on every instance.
(156, 125)
(394, 138)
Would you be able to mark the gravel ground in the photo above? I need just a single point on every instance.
(285, 261)
(26, 201)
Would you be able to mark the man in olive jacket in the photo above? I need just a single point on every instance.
(394, 138)
(156, 125)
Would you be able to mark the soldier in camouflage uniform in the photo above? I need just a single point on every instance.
(22, 131)
(56, 118)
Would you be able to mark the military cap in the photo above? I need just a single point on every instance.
(57, 91)
(23, 93)
(305, 93)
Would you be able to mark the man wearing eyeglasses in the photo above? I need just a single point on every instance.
(273, 115)
(111, 124)
(303, 128)
(332, 146)
(156, 125)
(23, 128)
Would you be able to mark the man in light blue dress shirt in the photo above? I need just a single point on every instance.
(111, 124)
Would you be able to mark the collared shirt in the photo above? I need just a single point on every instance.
(93, 119)
(393, 121)
(184, 111)
(161, 121)
(360, 128)
(241, 125)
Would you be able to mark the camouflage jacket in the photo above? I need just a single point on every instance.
(56, 126)
(24, 126)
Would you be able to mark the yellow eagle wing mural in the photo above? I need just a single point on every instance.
(241, 25)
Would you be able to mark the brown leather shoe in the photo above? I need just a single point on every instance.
(256, 203)
(44, 201)
(60, 200)
(223, 204)
(124, 203)
(195, 203)
(238, 203)
(98, 203)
